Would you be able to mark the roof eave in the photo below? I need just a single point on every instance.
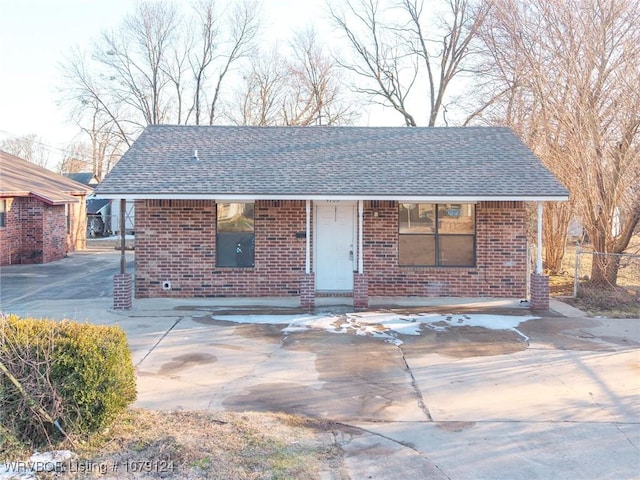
(43, 198)
(373, 197)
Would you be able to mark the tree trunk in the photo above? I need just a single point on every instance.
(604, 269)
(555, 223)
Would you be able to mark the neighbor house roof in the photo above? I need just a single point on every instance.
(19, 178)
(374, 163)
(86, 178)
(94, 205)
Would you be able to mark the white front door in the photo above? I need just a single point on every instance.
(334, 246)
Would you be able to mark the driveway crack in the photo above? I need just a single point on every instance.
(416, 389)
(158, 342)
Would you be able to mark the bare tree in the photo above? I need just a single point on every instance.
(399, 50)
(134, 56)
(298, 90)
(88, 96)
(263, 92)
(160, 66)
(28, 147)
(564, 75)
(75, 159)
(244, 26)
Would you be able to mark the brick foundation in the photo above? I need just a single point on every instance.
(360, 291)
(307, 291)
(539, 292)
(122, 291)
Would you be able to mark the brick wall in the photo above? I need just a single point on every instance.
(31, 218)
(54, 233)
(501, 250)
(36, 232)
(175, 242)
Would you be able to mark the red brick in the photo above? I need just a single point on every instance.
(36, 232)
(175, 241)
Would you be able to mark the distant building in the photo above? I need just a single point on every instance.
(42, 214)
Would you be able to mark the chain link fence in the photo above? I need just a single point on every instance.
(607, 279)
(106, 225)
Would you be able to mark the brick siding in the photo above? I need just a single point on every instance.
(501, 254)
(539, 292)
(122, 291)
(175, 242)
(36, 232)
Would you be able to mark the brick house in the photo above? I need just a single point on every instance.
(321, 211)
(42, 214)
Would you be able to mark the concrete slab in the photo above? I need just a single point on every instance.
(560, 399)
(534, 386)
(519, 450)
(565, 309)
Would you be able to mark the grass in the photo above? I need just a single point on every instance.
(194, 445)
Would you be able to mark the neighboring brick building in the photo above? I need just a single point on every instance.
(42, 214)
(320, 211)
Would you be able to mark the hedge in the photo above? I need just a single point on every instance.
(81, 376)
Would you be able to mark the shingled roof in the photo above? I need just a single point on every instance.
(19, 178)
(472, 163)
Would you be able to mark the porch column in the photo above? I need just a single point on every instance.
(307, 266)
(539, 241)
(307, 283)
(360, 285)
(539, 282)
(122, 285)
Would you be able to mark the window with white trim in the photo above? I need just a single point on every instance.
(437, 235)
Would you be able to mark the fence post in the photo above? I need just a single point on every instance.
(576, 275)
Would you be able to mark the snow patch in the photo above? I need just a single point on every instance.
(383, 325)
(53, 461)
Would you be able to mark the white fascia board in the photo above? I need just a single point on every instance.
(399, 198)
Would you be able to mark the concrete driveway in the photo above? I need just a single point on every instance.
(558, 398)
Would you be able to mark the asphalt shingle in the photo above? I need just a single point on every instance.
(19, 178)
(333, 161)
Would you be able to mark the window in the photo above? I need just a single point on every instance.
(235, 239)
(3, 213)
(441, 235)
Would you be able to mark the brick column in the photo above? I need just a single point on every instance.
(360, 291)
(122, 291)
(539, 292)
(308, 291)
